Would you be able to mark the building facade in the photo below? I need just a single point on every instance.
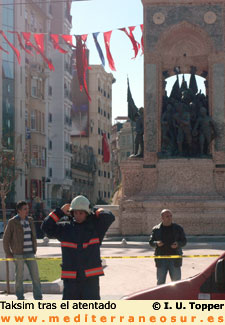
(99, 121)
(37, 17)
(59, 150)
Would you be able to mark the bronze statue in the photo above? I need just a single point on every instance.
(168, 132)
(207, 131)
(139, 140)
(182, 123)
(192, 113)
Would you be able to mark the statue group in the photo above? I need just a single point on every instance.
(187, 128)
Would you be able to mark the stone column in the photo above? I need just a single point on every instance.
(218, 103)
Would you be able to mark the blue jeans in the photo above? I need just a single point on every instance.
(33, 270)
(165, 266)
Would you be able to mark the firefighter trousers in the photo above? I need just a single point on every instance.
(81, 289)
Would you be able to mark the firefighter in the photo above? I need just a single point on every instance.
(80, 243)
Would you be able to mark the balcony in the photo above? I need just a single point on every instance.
(67, 120)
(68, 173)
(68, 147)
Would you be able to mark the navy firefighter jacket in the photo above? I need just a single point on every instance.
(80, 242)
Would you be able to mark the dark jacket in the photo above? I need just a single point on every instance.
(80, 242)
(13, 239)
(178, 236)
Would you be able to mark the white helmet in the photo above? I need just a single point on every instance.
(80, 203)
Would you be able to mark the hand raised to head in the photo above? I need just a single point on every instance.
(66, 209)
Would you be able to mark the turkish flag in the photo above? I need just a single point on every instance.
(105, 148)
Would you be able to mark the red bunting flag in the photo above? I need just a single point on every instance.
(81, 53)
(17, 52)
(142, 41)
(69, 40)
(21, 43)
(55, 41)
(105, 148)
(82, 64)
(1, 49)
(136, 45)
(107, 36)
(39, 39)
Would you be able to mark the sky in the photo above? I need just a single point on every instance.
(102, 16)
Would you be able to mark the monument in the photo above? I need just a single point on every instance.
(183, 167)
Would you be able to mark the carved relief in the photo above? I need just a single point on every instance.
(210, 17)
(158, 18)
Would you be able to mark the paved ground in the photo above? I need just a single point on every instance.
(128, 275)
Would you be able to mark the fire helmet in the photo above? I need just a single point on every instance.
(80, 202)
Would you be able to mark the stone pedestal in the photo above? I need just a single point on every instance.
(191, 188)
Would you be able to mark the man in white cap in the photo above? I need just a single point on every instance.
(80, 242)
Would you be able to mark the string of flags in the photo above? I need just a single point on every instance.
(37, 44)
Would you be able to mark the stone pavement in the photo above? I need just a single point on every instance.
(128, 275)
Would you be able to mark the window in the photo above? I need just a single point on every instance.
(32, 121)
(43, 122)
(34, 156)
(50, 172)
(39, 156)
(49, 117)
(34, 87)
(39, 91)
(43, 157)
(50, 144)
(50, 90)
(39, 121)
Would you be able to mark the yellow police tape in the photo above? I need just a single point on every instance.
(113, 257)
